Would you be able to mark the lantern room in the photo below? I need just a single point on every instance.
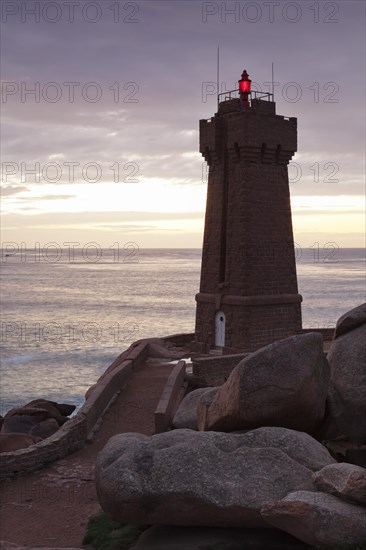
(245, 85)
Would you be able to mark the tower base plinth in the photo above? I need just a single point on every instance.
(251, 321)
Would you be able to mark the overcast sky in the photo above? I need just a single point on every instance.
(111, 127)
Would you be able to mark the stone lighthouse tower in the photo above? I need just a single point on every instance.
(248, 292)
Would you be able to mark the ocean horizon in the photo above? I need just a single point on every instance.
(67, 314)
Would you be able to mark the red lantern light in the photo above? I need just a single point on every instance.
(245, 83)
(245, 88)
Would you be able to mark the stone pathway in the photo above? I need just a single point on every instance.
(50, 508)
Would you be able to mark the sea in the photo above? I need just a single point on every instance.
(68, 313)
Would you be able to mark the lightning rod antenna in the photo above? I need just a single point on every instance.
(218, 74)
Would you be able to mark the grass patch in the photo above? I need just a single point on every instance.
(102, 533)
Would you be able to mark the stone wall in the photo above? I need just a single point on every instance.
(215, 370)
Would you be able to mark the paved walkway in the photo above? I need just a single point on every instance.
(51, 507)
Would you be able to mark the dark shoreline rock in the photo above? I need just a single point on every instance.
(35, 421)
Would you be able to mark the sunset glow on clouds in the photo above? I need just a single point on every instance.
(118, 160)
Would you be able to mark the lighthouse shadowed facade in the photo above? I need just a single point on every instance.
(248, 291)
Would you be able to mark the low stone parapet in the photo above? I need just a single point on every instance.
(214, 371)
(103, 394)
(68, 439)
(171, 398)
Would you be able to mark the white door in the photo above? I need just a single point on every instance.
(220, 329)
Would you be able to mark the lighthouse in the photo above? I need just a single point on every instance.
(248, 294)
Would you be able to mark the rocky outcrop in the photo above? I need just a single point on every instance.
(350, 320)
(282, 384)
(318, 518)
(38, 420)
(343, 480)
(183, 477)
(38, 412)
(270, 471)
(186, 415)
(347, 391)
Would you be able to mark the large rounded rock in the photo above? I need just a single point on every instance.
(282, 384)
(38, 412)
(347, 390)
(350, 320)
(186, 415)
(19, 423)
(45, 429)
(183, 477)
(343, 480)
(318, 518)
(64, 409)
